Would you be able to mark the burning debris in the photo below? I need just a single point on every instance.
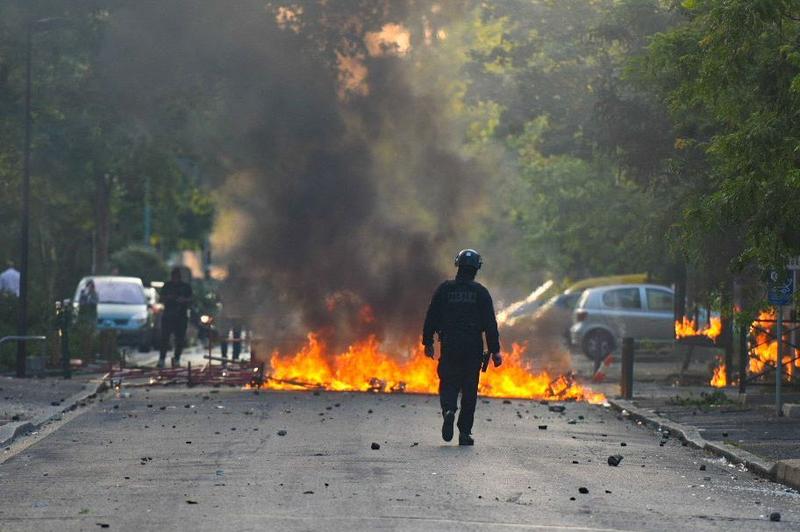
(366, 367)
(765, 346)
(720, 377)
(687, 328)
(764, 352)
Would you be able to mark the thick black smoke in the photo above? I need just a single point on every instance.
(339, 209)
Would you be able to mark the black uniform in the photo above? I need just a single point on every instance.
(176, 315)
(461, 311)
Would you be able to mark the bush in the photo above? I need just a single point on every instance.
(140, 261)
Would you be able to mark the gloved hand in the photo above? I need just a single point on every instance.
(497, 358)
(429, 351)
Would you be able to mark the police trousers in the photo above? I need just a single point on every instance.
(460, 375)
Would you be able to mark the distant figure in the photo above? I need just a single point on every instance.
(461, 312)
(87, 301)
(9, 280)
(177, 296)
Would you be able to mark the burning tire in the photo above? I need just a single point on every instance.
(597, 344)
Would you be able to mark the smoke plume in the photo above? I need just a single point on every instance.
(343, 194)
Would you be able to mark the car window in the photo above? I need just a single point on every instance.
(570, 300)
(659, 300)
(623, 298)
(120, 293)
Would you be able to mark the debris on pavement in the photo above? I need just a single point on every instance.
(542, 427)
(557, 408)
(375, 446)
(775, 516)
(614, 460)
(281, 433)
(583, 490)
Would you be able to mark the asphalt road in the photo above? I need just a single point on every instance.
(213, 459)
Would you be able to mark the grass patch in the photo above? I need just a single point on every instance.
(705, 399)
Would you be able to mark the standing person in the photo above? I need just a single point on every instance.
(461, 312)
(87, 320)
(9, 280)
(177, 296)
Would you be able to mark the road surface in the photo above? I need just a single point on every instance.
(215, 459)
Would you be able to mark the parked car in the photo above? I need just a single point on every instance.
(122, 306)
(604, 315)
(554, 309)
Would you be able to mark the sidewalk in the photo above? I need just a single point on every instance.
(26, 404)
(743, 431)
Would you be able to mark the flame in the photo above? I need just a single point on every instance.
(765, 350)
(687, 327)
(365, 367)
(720, 378)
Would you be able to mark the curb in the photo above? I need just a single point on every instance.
(784, 471)
(11, 431)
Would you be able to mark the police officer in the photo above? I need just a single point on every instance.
(461, 312)
(177, 296)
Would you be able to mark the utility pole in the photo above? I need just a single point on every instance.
(22, 316)
(25, 192)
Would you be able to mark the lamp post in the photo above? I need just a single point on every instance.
(22, 326)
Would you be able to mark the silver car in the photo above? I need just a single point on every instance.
(606, 314)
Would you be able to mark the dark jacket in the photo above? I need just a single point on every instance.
(176, 296)
(460, 312)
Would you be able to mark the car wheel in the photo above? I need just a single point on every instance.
(598, 344)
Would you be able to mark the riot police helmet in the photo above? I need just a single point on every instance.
(469, 257)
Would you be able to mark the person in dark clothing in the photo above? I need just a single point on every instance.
(461, 312)
(177, 296)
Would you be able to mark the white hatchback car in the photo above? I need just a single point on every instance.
(606, 314)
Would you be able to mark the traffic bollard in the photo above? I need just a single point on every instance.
(626, 382)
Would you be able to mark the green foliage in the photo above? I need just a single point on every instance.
(83, 138)
(579, 218)
(139, 261)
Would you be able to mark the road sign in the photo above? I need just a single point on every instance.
(780, 287)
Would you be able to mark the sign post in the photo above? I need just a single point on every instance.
(780, 289)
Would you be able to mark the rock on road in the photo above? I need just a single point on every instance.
(213, 459)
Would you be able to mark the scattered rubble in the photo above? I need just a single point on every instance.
(775, 516)
(281, 433)
(583, 490)
(614, 460)
(557, 408)
(375, 446)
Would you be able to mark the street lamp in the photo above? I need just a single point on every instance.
(22, 328)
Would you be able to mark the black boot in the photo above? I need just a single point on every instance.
(447, 426)
(465, 439)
